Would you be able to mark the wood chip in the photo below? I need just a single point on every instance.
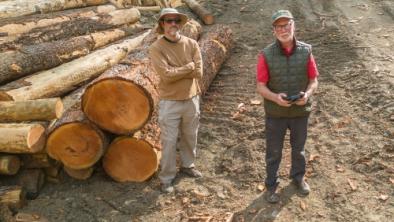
(200, 219)
(391, 180)
(313, 157)
(260, 188)
(303, 205)
(383, 197)
(352, 185)
(255, 102)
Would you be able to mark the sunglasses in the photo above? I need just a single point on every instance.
(169, 21)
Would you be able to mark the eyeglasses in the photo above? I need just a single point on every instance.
(285, 26)
(169, 21)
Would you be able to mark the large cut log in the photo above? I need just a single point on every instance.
(130, 159)
(81, 174)
(33, 58)
(26, 7)
(14, 27)
(116, 101)
(9, 164)
(64, 78)
(29, 110)
(22, 138)
(12, 196)
(77, 27)
(202, 13)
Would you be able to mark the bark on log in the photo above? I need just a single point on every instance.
(66, 77)
(77, 27)
(29, 110)
(124, 107)
(32, 181)
(37, 160)
(129, 159)
(12, 196)
(9, 164)
(27, 7)
(202, 13)
(22, 138)
(14, 27)
(81, 174)
(33, 58)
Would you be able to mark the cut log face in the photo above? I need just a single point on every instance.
(76, 145)
(12, 196)
(203, 13)
(21, 138)
(130, 159)
(30, 110)
(9, 164)
(117, 105)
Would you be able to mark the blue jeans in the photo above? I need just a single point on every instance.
(275, 129)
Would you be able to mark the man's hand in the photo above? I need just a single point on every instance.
(302, 101)
(280, 101)
(191, 65)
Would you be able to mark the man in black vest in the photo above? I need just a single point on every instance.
(286, 78)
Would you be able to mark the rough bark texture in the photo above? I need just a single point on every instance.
(136, 69)
(130, 159)
(33, 58)
(27, 7)
(37, 160)
(29, 110)
(32, 181)
(76, 27)
(66, 77)
(9, 164)
(22, 138)
(12, 196)
(202, 13)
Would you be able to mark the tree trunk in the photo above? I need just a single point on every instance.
(77, 27)
(129, 159)
(124, 106)
(21, 138)
(11, 28)
(29, 110)
(29, 59)
(66, 77)
(27, 7)
(12, 196)
(9, 164)
(81, 174)
(202, 13)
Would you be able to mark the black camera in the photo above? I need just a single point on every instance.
(293, 98)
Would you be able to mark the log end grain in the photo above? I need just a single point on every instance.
(36, 138)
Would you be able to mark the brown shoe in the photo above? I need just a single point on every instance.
(191, 172)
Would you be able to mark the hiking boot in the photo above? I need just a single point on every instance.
(271, 196)
(191, 172)
(302, 186)
(167, 188)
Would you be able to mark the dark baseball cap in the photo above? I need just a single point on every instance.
(281, 14)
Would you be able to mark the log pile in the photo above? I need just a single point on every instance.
(77, 91)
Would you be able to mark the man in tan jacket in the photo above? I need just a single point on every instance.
(177, 60)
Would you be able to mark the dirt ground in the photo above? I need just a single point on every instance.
(350, 147)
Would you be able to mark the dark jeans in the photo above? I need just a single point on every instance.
(275, 129)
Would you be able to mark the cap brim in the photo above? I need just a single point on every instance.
(284, 16)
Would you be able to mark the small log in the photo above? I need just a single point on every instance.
(130, 159)
(22, 138)
(77, 27)
(29, 110)
(30, 217)
(11, 28)
(202, 13)
(20, 8)
(124, 106)
(9, 164)
(32, 181)
(64, 78)
(81, 174)
(33, 58)
(12, 196)
(148, 8)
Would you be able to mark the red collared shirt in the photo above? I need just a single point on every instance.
(263, 74)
